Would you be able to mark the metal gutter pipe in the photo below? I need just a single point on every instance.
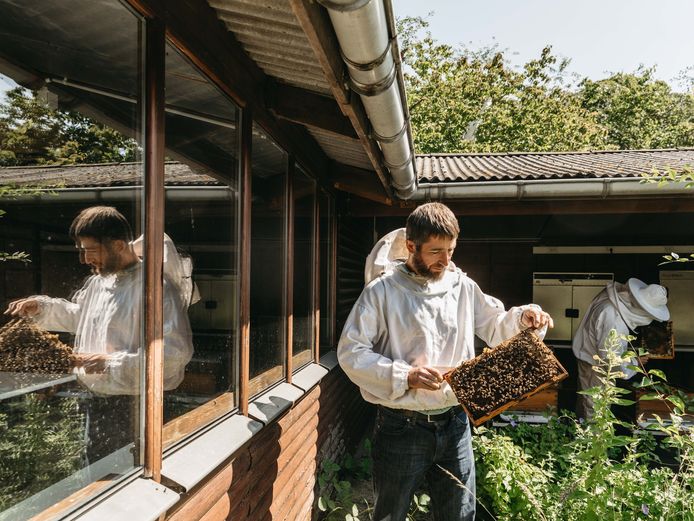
(549, 188)
(122, 193)
(363, 30)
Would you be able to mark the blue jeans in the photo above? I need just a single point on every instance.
(409, 452)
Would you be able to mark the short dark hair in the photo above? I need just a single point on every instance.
(431, 220)
(101, 223)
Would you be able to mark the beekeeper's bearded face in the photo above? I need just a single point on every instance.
(431, 258)
(104, 257)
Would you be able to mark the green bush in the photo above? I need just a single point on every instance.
(573, 471)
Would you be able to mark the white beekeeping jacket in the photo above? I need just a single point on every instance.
(612, 308)
(106, 316)
(178, 269)
(402, 320)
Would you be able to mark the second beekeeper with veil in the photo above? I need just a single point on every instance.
(622, 307)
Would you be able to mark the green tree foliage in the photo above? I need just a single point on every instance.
(464, 100)
(640, 111)
(31, 133)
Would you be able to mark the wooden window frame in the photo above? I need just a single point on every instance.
(311, 355)
(289, 270)
(154, 102)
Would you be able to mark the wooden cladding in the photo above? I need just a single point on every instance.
(354, 243)
(274, 475)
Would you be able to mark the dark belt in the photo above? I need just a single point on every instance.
(428, 418)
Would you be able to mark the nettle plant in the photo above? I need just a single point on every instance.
(570, 470)
(346, 491)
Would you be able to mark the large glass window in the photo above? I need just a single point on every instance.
(71, 348)
(304, 198)
(268, 261)
(201, 178)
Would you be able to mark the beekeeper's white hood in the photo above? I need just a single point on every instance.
(178, 269)
(388, 252)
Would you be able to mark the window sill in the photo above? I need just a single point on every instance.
(308, 377)
(190, 462)
(274, 402)
(194, 458)
(141, 499)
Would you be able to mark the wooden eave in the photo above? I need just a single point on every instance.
(315, 23)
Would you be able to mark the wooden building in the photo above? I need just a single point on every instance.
(271, 109)
(270, 141)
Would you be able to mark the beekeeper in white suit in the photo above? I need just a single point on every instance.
(622, 307)
(107, 312)
(417, 317)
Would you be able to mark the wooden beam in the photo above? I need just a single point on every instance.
(359, 182)
(316, 25)
(154, 254)
(364, 207)
(307, 108)
(244, 275)
(289, 268)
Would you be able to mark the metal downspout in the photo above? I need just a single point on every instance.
(366, 45)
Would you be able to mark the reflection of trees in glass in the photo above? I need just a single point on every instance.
(41, 443)
(32, 133)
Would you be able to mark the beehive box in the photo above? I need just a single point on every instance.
(501, 377)
(546, 399)
(26, 348)
(650, 408)
(657, 339)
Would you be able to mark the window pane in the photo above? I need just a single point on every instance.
(304, 195)
(327, 308)
(69, 399)
(201, 226)
(268, 265)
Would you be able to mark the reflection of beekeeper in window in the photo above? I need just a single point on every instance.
(622, 307)
(107, 312)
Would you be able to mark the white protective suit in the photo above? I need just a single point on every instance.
(613, 308)
(106, 316)
(402, 320)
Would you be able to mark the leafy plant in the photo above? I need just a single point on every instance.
(588, 471)
(345, 489)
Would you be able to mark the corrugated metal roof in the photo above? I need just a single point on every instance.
(272, 37)
(98, 175)
(442, 168)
